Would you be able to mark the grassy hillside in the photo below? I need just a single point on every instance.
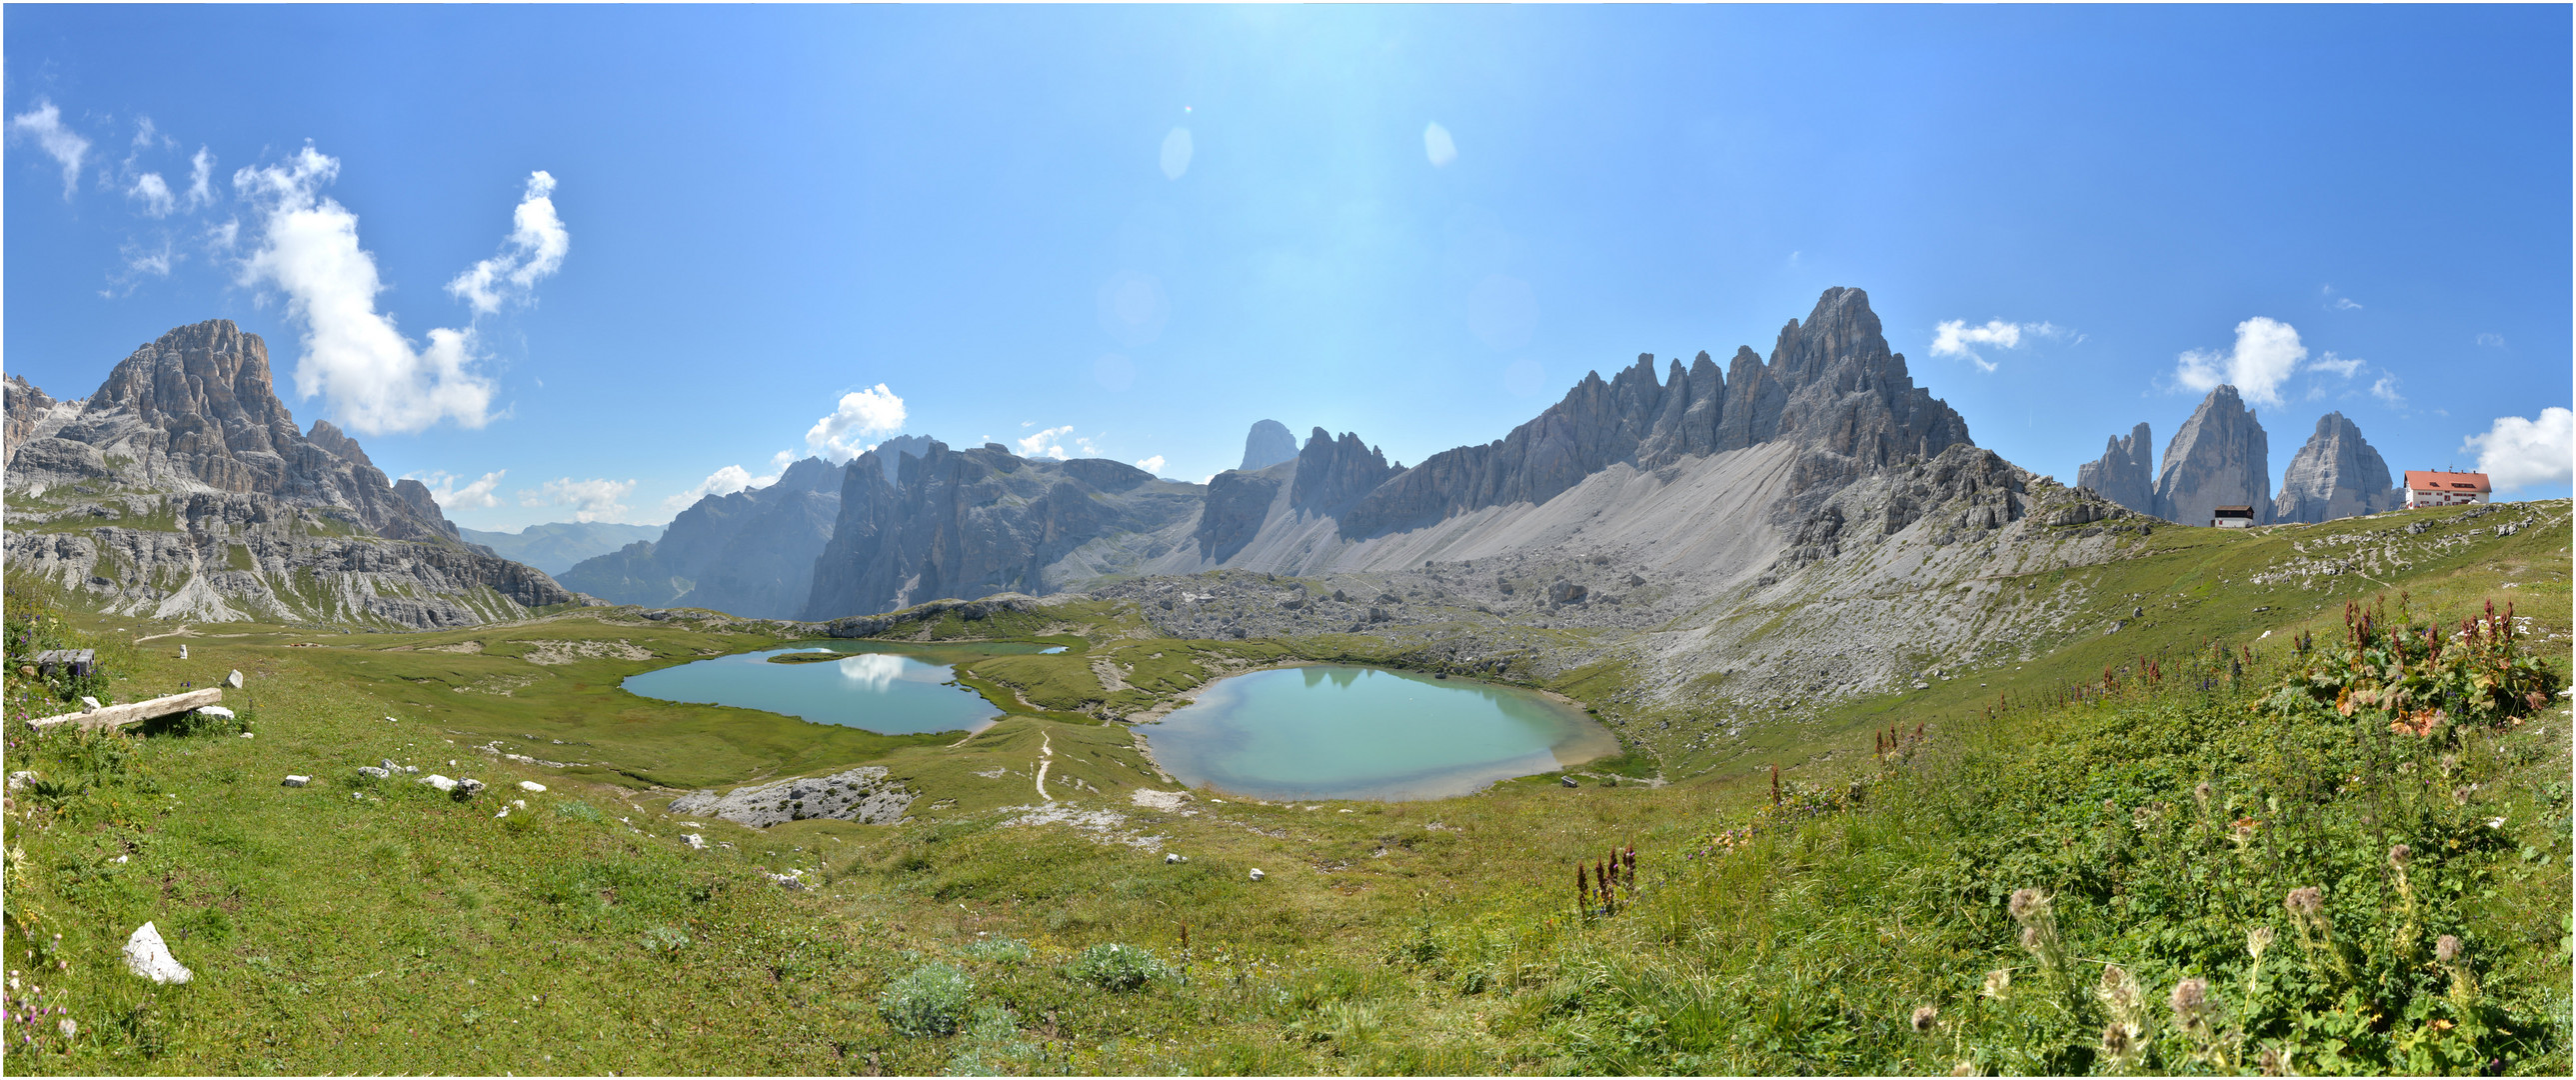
(2160, 816)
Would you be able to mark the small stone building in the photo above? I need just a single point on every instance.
(2231, 517)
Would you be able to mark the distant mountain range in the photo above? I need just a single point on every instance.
(556, 547)
(2221, 458)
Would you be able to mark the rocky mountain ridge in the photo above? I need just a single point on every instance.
(2219, 459)
(749, 553)
(2336, 474)
(2126, 471)
(184, 488)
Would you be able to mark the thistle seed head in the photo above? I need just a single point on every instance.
(2027, 904)
(1923, 1017)
(2115, 1040)
(2030, 938)
(2399, 855)
(1998, 983)
(2190, 998)
(2258, 940)
(2306, 900)
(2447, 949)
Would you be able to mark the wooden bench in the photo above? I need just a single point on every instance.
(108, 716)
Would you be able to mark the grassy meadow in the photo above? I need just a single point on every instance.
(2174, 848)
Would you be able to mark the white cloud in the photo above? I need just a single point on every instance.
(2266, 354)
(375, 379)
(2386, 390)
(1152, 464)
(1957, 338)
(2346, 303)
(2336, 364)
(2492, 341)
(1177, 151)
(201, 175)
(157, 263)
(442, 487)
(1438, 145)
(2519, 453)
(534, 250)
(724, 481)
(144, 134)
(779, 461)
(838, 437)
(65, 146)
(154, 193)
(591, 500)
(1046, 443)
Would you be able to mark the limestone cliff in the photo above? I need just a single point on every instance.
(2125, 473)
(1269, 443)
(749, 553)
(970, 523)
(1832, 386)
(2219, 458)
(2336, 475)
(182, 488)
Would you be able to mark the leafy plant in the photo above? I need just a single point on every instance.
(930, 1000)
(1116, 967)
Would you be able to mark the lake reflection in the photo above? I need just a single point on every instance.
(889, 689)
(1341, 732)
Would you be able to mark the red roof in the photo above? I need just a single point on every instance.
(2446, 481)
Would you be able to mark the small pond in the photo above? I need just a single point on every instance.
(1335, 732)
(887, 688)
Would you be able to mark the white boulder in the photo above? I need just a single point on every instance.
(217, 711)
(89, 703)
(440, 782)
(1257, 874)
(233, 680)
(531, 785)
(373, 773)
(148, 956)
(695, 841)
(297, 781)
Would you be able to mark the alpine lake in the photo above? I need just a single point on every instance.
(1318, 731)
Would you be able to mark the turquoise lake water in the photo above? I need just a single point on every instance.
(1335, 732)
(888, 689)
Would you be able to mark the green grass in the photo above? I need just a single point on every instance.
(404, 931)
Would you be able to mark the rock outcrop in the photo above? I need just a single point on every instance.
(2219, 458)
(182, 488)
(1832, 386)
(970, 523)
(750, 553)
(2126, 472)
(863, 795)
(1269, 443)
(33, 414)
(890, 453)
(2336, 475)
(1238, 502)
(1334, 473)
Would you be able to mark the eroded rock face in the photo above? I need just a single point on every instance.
(1269, 443)
(965, 524)
(183, 488)
(2219, 458)
(33, 414)
(2125, 474)
(863, 795)
(1332, 474)
(1832, 385)
(2336, 475)
(749, 553)
(1237, 503)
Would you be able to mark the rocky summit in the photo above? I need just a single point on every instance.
(2336, 475)
(2125, 473)
(2219, 458)
(1269, 443)
(183, 488)
(748, 553)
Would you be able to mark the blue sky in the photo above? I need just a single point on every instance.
(1131, 232)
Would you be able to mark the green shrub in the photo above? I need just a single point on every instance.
(1000, 950)
(1115, 967)
(931, 1000)
(579, 811)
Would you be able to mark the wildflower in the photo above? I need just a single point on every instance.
(2200, 794)
(2190, 999)
(2027, 903)
(2447, 949)
(2398, 856)
(68, 1028)
(2257, 941)
(2115, 1040)
(1998, 983)
(2306, 900)
(1923, 1017)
